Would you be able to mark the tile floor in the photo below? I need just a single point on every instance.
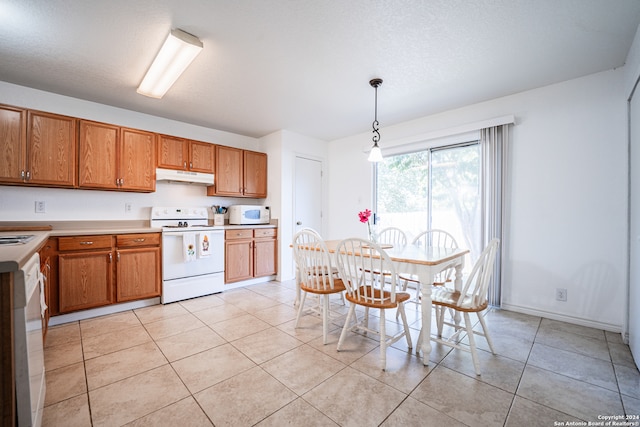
(235, 359)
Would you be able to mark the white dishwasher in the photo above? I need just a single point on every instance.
(29, 352)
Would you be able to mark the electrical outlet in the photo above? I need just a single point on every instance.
(41, 206)
(127, 207)
(561, 294)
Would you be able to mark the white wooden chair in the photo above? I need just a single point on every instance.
(357, 260)
(316, 275)
(471, 299)
(393, 236)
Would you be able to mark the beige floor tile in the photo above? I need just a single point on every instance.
(122, 364)
(414, 413)
(62, 334)
(239, 327)
(508, 344)
(628, 380)
(64, 383)
(582, 344)
(157, 312)
(351, 398)
(297, 413)
(185, 413)
(621, 355)
(109, 323)
(404, 370)
(464, 398)
(135, 397)
(573, 397)
(548, 324)
(221, 313)
(71, 412)
(523, 412)
(631, 405)
(302, 368)
(63, 355)
(277, 314)
(354, 347)
(310, 328)
(244, 399)
(511, 323)
(202, 303)
(253, 302)
(266, 344)
(188, 343)
(497, 371)
(212, 366)
(172, 326)
(110, 342)
(577, 366)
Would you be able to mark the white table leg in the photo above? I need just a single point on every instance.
(458, 287)
(426, 323)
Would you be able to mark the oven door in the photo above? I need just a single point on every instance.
(174, 265)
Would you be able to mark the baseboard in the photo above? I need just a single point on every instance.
(101, 311)
(563, 318)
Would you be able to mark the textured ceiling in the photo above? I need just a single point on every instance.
(305, 65)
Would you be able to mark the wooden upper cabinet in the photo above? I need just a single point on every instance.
(201, 155)
(51, 149)
(137, 160)
(228, 179)
(184, 154)
(12, 144)
(240, 173)
(255, 174)
(172, 152)
(98, 159)
(115, 158)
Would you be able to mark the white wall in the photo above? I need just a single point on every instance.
(17, 203)
(568, 175)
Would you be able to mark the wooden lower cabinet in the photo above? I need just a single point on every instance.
(99, 270)
(139, 270)
(250, 253)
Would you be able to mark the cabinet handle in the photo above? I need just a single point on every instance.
(140, 240)
(184, 165)
(22, 175)
(28, 176)
(86, 243)
(110, 258)
(190, 164)
(118, 256)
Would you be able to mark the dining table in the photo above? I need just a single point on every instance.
(424, 262)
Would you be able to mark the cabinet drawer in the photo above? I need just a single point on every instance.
(142, 239)
(265, 232)
(84, 242)
(238, 234)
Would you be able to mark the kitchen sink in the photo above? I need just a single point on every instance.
(16, 239)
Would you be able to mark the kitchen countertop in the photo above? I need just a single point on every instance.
(13, 257)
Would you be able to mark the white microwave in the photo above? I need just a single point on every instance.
(249, 214)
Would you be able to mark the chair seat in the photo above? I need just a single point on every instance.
(338, 286)
(449, 298)
(386, 302)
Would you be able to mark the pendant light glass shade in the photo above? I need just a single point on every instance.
(375, 155)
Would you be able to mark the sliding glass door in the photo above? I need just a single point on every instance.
(436, 188)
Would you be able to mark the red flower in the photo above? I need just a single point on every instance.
(364, 215)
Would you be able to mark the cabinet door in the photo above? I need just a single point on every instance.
(201, 156)
(85, 280)
(98, 155)
(255, 174)
(138, 160)
(228, 171)
(172, 153)
(138, 273)
(12, 144)
(264, 256)
(238, 260)
(51, 149)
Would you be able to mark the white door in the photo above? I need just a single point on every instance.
(634, 230)
(308, 194)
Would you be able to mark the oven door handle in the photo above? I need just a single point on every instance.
(180, 234)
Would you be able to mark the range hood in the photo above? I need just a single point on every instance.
(184, 176)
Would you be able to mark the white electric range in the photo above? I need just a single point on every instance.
(192, 253)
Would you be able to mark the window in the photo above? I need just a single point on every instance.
(434, 188)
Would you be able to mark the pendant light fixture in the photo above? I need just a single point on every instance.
(375, 155)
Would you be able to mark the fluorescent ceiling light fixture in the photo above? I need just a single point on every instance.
(174, 57)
